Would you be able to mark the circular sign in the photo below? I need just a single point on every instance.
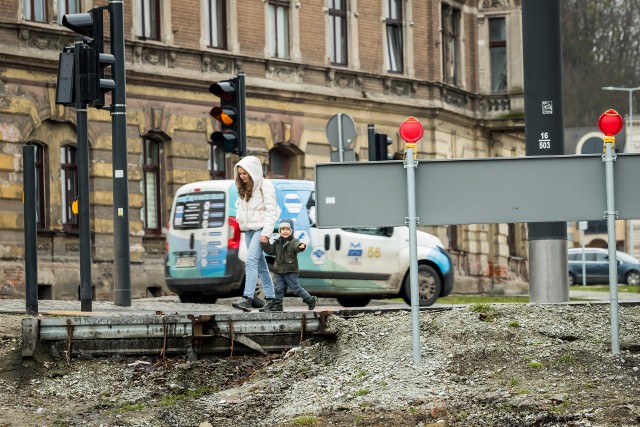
(341, 126)
(610, 122)
(411, 130)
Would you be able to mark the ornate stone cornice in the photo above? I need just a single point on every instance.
(488, 4)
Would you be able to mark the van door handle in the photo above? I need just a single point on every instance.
(327, 242)
(337, 242)
(191, 241)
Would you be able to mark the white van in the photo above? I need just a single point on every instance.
(206, 250)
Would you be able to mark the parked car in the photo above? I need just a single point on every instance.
(596, 263)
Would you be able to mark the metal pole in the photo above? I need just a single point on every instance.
(544, 135)
(411, 164)
(30, 225)
(584, 265)
(121, 262)
(83, 186)
(340, 144)
(609, 158)
(630, 150)
(86, 292)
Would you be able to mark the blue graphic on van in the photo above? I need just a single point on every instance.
(293, 203)
(355, 253)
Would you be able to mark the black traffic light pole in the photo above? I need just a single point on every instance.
(83, 185)
(122, 272)
(30, 234)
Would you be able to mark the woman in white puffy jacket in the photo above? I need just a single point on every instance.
(256, 215)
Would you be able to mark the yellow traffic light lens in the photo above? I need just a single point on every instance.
(220, 115)
(74, 207)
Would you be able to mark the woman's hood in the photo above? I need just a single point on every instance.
(252, 165)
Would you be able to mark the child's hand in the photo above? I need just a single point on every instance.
(302, 246)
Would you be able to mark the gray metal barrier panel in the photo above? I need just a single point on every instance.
(475, 191)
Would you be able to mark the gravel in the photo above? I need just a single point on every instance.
(482, 365)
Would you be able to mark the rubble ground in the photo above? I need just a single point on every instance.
(481, 365)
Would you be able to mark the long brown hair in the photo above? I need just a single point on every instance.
(244, 189)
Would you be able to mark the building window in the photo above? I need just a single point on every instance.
(278, 164)
(498, 52)
(451, 44)
(338, 32)
(216, 23)
(69, 184)
(150, 213)
(148, 19)
(278, 30)
(393, 22)
(512, 241)
(35, 10)
(66, 7)
(41, 190)
(452, 234)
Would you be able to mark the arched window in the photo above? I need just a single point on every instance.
(150, 187)
(69, 184)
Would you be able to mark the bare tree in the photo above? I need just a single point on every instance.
(600, 47)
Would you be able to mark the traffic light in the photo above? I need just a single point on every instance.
(382, 141)
(90, 57)
(231, 114)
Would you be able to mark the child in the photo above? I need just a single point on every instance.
(286, 248)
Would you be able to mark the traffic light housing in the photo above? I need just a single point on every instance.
(231, 137)
(91, 60)
(382, 142)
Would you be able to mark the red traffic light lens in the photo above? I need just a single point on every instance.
(224, 90)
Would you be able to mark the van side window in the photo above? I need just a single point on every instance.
(199, 210)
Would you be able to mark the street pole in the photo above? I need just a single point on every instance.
(122, 272)
(629, 149)
(82, 121)
(30, 228)
(544, 136)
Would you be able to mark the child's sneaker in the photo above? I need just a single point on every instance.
(244, 304)
(311, 302)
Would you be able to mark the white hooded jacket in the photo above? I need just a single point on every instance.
(261, 209)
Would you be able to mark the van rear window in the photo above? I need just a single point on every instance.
(200, 210)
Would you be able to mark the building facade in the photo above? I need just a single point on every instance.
(456, 65)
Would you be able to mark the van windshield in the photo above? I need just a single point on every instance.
(199, 210)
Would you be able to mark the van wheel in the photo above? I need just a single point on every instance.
(353, 301)
(429, 286)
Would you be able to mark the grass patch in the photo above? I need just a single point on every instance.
(600, 288)
(305, 420)
(362, 392)
(535, 364)
(128, 407)
(187, 395)
(567, 358)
